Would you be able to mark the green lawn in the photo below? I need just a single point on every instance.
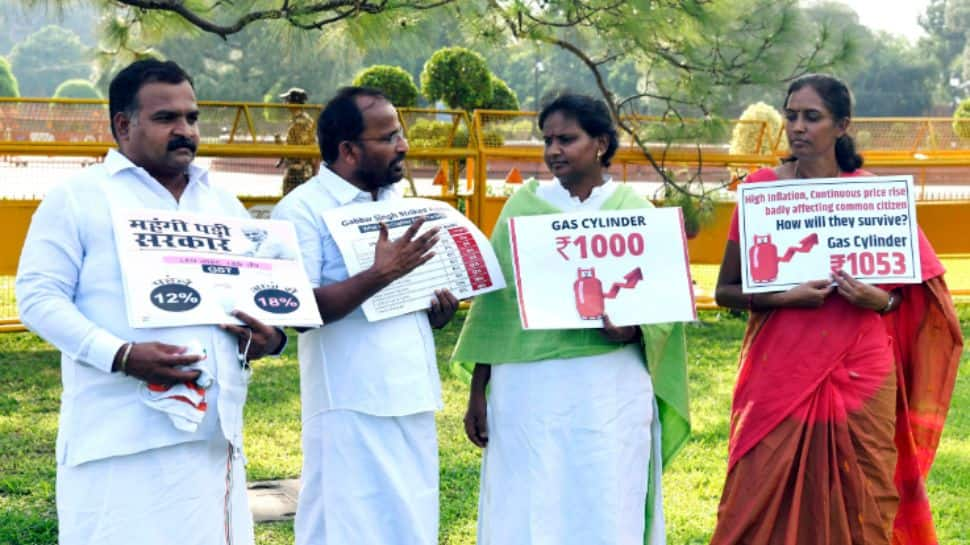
(29, 389)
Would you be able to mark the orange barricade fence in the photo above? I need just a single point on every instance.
(474, 162)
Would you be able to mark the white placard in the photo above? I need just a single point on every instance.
(793, 231)
(464, 262)
(572, 268)
(189, 269)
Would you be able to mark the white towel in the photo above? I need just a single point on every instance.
(185, 402)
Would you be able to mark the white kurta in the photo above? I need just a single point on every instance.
(570, 443)
(369, 391)
(125, 473)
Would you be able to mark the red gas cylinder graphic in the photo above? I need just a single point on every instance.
(763, 259)
(589, 294)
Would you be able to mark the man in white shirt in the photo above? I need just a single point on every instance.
(125, 473)
(369, 389)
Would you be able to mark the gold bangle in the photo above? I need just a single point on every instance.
(124, 357)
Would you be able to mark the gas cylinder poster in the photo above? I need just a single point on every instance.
(793, 231)
(631, 265)
(188, 269)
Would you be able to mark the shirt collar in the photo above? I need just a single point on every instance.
(607, 185)
(345, 192)
(116, 162)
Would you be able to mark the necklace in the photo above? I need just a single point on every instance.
(799, 174)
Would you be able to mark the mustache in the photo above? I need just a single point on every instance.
(181, 142)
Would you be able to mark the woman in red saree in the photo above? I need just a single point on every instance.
(843, 387)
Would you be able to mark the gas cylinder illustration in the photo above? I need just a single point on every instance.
(763, 258)
(590, 297)
(589, 294)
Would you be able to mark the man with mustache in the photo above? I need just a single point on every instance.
(125, 473)
(369, 389)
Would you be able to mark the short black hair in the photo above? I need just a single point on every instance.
(123, 91)
(342, 120)
(593, 116)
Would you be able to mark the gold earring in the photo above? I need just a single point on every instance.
(599, 154)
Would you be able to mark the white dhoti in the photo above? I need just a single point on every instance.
(368, 480)
(568, 453)
(186, 494)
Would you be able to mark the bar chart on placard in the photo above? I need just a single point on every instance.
(458, 265)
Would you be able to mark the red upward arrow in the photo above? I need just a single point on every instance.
(631, 277)
(804, 246)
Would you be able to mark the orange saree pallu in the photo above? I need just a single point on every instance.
(927, 343)
(825, 400)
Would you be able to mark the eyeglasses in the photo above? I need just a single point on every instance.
(394, 138)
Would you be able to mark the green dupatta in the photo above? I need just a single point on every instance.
(493, 333)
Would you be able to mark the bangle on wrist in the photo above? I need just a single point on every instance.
(123, 364)
(889, 304)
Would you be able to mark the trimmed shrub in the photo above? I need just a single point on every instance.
(8, 83)
(523, 129)
(275, 116)
(427, 133)
(713, 130)
(77, 88)
(863, 139)
(457, 76)
(744, 138)
(503, 97)
(393, 81)
(961, 119)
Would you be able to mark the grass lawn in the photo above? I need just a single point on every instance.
(30, 386)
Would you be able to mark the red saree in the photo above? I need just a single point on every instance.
(835, 423)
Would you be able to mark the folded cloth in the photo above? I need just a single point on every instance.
(185, 402)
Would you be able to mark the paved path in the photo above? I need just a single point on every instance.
(273, 500)
(24, 177)
(31, 177)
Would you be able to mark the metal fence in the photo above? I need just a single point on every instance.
(473, 161)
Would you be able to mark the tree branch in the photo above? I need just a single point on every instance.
(614, 110)
(329, 11)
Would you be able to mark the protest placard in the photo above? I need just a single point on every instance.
(793, 231)
(189, 269)
(571, 269)
(463, 261)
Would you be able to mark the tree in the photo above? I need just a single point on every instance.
(503, 98)
(945, 23)
(77, 88)
(262, 60)
(894, 79)
(20, 19)
(887, 75)
(224, 18)
(8, 83)
(393, 81)
(457, 76)
(961, 119)
(693, 55)
(46, 58)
